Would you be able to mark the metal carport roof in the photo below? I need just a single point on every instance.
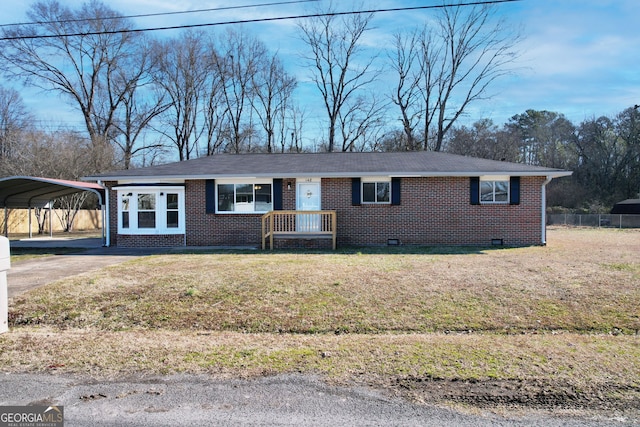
(35, 192)
(26, 192)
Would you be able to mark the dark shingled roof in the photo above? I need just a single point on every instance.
(420, 163)
(628, 207)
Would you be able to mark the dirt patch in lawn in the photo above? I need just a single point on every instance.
(521, 394)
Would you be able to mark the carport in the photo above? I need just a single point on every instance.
(26, 192)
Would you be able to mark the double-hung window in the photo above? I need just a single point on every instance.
(376, 190)
(146, 210)
(244, 196)
(494, 189)
(173, 210)
(151, 210)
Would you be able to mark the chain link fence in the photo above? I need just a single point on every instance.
(595, 220)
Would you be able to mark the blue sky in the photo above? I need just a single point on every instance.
(577, 57)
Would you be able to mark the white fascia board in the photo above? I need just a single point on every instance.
(554, 174)
(150, 181)
(426, 174)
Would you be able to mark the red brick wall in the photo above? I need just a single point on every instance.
(205, 229)
(150, 240)
(433, 211)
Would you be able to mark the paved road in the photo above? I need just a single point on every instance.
(187, 400)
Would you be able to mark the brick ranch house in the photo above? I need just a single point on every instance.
(320, 199)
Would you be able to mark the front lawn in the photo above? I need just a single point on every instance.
(563, 318)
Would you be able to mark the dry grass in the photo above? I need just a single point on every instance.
(565, 314)
(584, 281)
(584, 360)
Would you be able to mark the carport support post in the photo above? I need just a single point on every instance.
(5, 264)
(6, 222)
(50, 219)
(30, 232)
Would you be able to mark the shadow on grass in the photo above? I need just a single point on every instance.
(45, 251)
(355, 250)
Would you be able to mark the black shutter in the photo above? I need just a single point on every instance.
(277, 194)
(514, 190)
(474, 182)
(356, 200)
(395, 191)
(210, 195)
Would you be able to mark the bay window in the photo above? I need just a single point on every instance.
(151, 210)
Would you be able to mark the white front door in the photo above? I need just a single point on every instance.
(308, 199)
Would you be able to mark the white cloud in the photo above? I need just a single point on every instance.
(578, 58)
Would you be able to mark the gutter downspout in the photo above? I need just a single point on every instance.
(544, 210)
(106, 230)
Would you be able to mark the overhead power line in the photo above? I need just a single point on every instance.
(272, 19)
(147, 15)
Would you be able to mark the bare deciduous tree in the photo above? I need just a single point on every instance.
(273, 88)
(407, 90)
(449, 66)
(240, 58)
(139, 106)
(338, 70)
(215, 113)
(14, 119)
(360, 122)
(67, 208)
(296, 124)
(82, 58)
(182, 75)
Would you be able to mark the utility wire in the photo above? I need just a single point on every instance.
(146, 15)
(247, 21)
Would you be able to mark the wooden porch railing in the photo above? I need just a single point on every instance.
(298, 225)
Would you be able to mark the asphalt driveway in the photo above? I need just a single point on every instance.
(32, 273)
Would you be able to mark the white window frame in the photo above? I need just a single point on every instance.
(493, 179)
(244, 208)
(375, 180)
(160, 193)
